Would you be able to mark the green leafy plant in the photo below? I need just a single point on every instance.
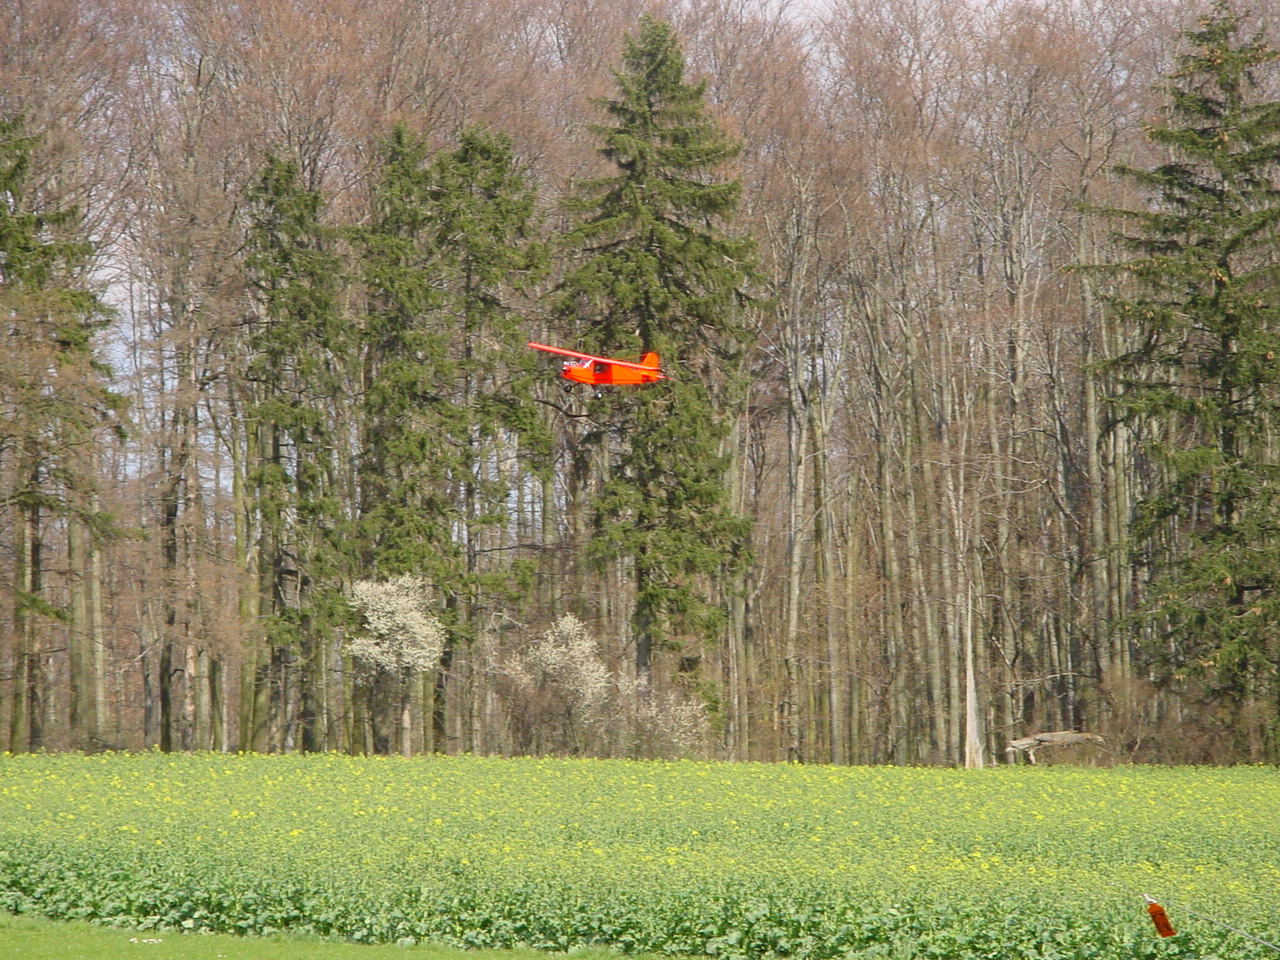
(685, 859)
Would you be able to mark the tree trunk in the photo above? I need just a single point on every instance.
(83, 712)
(826, 594)
(26, 731)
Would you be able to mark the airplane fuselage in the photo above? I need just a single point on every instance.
(596, 373)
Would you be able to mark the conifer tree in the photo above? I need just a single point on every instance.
(299, 351)
(483, 231)
(450, 243)
(1202, 379)
(656, 269)
(403, 514)
(55, 403)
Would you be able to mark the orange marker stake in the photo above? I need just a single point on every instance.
(1160, 919)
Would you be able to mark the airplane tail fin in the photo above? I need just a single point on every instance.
(650, 359)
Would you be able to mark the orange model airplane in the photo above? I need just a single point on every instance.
(603, 371)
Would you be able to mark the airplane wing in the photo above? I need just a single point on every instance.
(587, 356)
(565, 353)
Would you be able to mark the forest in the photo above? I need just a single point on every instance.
(969, 311)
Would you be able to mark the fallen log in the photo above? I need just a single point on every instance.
(1059, 738)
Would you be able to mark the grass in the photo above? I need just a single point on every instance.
(28, 938)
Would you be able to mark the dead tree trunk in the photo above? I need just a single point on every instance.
(1061, 738)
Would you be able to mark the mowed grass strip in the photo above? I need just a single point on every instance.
(684, 858)
(28, 938)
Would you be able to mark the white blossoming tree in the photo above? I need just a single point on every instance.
(402, 640)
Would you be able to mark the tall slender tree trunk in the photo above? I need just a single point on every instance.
(827, 594)
(797, 508)
(98, 641)
(737, 735)
(83, 719)
(974, 755)
(893, 719)
(255, 667)
(26, 730)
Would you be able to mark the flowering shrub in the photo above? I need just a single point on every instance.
(567, 658)
(404, 636)
(572, 702)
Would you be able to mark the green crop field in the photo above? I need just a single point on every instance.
(732, 861)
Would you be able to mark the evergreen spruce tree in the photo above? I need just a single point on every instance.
(449, 246)
(55, 403)
(450, 243)
(657, 270)
(405, 511)
(1202, 381)
(483, 231)
(299, 353)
